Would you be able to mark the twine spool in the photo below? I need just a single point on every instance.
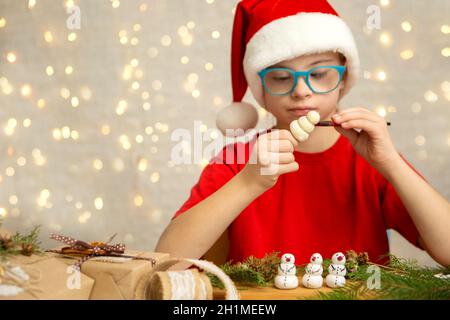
(183, 285)
(180, 285)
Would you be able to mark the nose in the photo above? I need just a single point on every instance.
(301, 90)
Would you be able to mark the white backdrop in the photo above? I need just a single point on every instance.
(87, 114)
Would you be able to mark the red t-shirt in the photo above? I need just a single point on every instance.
(335, 202)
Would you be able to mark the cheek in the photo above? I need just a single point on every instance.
(272, 104)
(329, 101)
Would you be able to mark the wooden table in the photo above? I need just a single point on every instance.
(272, 293)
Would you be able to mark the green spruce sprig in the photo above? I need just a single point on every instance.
(400, 279)
(251, 272)
(25, 244)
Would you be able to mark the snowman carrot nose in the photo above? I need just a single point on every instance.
(339, 258)
(314, 258)
(288, 259)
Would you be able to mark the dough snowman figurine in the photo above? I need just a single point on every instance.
(302, 127)
(336, 271)
(287, 273)
(313, 272)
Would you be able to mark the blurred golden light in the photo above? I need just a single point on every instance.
(446, 52)
(69, 70)
(97, 164)
(138, 200)
(445, 29)
(41, 103)
(381, 75)
(25, 90)
(49, 71)
(11, 57)
(385, 39)
(48, 36)
(407, 54)
(98, 203)
(65, 93)
(75, 102)
(72, 36)
(406, 26)
(31, 4)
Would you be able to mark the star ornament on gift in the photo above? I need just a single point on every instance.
(86, 250)
(83, 248)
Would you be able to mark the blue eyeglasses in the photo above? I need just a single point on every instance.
(282, 81)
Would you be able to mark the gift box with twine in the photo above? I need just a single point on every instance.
(43, 277)
(116, 271)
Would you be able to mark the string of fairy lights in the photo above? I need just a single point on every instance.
(141, 148)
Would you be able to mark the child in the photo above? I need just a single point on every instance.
(339, 190)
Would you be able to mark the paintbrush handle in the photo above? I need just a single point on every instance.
(332, 124)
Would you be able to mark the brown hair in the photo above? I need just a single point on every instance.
(343, 61)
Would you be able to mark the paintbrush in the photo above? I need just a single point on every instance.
(332, 124)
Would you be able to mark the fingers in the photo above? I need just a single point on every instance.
(356, 113)
(350, 134)
(281, 158)
(266, 157)
(368, 126)
(282, 135)
(278, 140)
(286, 168)
(279, 169)
(275, 153)
(280, 146)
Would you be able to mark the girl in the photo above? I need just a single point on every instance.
(339, 190)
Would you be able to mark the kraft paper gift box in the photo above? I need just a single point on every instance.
(51, 279)
(117, 278)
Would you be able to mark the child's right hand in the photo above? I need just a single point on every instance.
(272, 156)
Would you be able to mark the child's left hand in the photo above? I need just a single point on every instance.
(373, 143)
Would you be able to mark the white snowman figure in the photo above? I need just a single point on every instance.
(287, 273)
(313, 272)
(336, 271)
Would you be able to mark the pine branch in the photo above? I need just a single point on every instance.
(252, 272)
(400, 279)
(25, 244)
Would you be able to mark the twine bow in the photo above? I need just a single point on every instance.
(94, 249)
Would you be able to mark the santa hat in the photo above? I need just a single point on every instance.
(266, 32)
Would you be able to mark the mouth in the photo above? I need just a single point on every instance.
(301, 111)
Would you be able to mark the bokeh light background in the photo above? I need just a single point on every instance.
(87, 114)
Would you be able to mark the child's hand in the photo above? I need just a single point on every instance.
(272, 156)
(373, 143)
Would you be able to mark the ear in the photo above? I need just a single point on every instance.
(343, 61)
(342, 84)
(344, 79)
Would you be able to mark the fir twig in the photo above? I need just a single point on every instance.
(251, 272)
(400, 279)
(25, 244)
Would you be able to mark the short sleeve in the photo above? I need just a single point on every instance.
(213, 177)
(396, 215)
